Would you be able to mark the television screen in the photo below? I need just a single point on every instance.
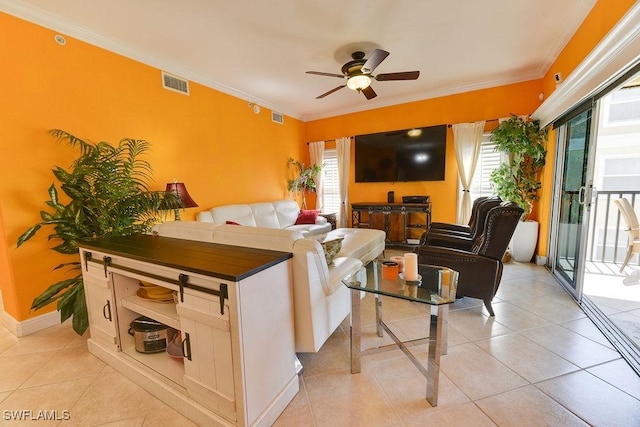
(416, 154)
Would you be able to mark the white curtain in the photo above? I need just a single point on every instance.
(343, 149)
(316, 155)
(466, 141)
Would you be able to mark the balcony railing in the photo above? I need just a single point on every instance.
(608, 236)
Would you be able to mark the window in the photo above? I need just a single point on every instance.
(619, 173)
(488, 161)
(622, 107)
(331, 188)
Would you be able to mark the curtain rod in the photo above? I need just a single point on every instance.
(328, 140)
(488, 120)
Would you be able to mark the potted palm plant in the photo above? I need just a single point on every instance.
(305, 181)
(517, 179)
(108, 191)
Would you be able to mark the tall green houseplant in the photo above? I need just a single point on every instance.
(517, 179)
(305, 180)
(108, 191)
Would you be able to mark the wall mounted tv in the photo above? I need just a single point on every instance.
(416, 154)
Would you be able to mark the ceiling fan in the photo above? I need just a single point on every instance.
(358, 73)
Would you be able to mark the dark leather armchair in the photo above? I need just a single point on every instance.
(459, 228)
(479, 269)
(461, 240)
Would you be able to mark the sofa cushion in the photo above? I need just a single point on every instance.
(264, 214)
(317, 231)
(287, 212)
(362, 243)
(307, 217)
(189, 230)
(256, 237)
(241, 214)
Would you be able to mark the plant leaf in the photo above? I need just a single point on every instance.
(51, 294)
(28, 234)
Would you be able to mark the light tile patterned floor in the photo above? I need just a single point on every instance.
(540, 361)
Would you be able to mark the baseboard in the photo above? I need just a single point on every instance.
(29, 326)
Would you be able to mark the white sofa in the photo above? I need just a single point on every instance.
(279, 214)
(321, 301)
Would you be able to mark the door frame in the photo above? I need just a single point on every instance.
(575, 288)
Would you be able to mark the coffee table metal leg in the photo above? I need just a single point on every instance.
(355, 331)
(378, 302)
(378, 299)
(435, 340)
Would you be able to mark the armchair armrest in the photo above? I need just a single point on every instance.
(448, 240)
(321, 220)
(446, 227)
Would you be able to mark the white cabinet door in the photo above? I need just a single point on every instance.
(100, 307)
(208, 363)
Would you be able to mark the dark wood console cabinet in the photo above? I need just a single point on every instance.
(403, 223)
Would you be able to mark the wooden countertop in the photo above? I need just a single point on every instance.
(226, 262)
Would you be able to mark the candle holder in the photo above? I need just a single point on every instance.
(416, 282)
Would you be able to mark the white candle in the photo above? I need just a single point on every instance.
(410, 266)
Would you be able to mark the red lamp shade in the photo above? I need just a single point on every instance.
(180, 190)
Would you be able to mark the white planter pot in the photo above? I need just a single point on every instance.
(524, 240)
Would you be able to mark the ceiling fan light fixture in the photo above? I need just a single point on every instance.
(358, 82)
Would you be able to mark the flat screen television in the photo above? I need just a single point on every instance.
(416, 154)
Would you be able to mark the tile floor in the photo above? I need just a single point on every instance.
(616, 294)
(540, 361)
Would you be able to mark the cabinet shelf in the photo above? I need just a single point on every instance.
(163, 313)
(162, 363)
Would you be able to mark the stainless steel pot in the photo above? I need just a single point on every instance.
(150, 336)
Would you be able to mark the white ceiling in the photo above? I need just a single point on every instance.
(260, 50)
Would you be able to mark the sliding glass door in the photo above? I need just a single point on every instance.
(572, 200)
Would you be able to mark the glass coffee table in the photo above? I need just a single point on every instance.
(436, 287)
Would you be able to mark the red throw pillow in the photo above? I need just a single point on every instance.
(232, 223)
(307, 217)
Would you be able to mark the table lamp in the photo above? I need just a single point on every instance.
(180, 190)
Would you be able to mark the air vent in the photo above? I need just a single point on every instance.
(175, 84)
(277, 117)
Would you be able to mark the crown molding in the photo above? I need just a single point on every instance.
(618, 51)
(555, 48)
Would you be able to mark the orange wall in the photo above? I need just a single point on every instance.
(212, 141)
(486, 104)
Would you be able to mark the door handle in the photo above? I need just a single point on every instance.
(186, 346)
(106, 311)
(581, 194)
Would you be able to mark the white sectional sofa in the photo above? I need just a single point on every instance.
(279, 214)
(321, 302)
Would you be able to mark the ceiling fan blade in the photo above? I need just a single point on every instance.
(406, 75)
(374, 60)
(319, 73)
(330, 92)
(369, 92)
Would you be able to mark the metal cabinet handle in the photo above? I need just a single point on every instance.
(186, 346)
(106, 311)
